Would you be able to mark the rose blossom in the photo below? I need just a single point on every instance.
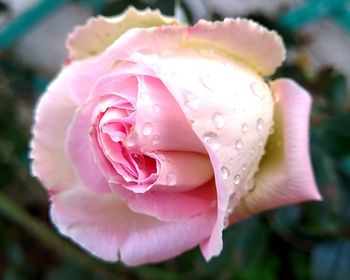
(156, 136)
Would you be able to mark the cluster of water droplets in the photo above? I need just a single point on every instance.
(147, 128)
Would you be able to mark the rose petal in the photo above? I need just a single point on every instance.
(171, 206)
(219, 105)
(107, 228)
(160, 123)
(100, 32)
(238, 39)
(53, 115)
(285, 175)
(262, 49)
(183, 171)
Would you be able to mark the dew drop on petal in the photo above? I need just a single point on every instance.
(225, 172)
(259, 124)
(239, 144)
(244, 167)
(218, 120)
(205, 81)
(244, 127)
(261, 142)
(156, 108)
(171, 178)
(155, 139)
(276, 98)
(231, 161)
(131, 140)
(257, 89)
(237, 179)
(212, 140)
(147, 129)
(250, 184)
(191, 101)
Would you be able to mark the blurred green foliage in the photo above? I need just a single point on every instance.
(306, 241)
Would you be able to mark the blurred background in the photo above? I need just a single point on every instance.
(306, 241)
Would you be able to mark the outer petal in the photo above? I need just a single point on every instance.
(107, 228)
(285, 175)
(238, 39)
(220, 103)
(99, 33)
(259, 47)
(53, 116)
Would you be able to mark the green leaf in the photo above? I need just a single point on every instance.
(331, 261)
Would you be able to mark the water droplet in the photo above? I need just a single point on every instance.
(239, 144)
(244, 127)
(205, 81)
(276, 97)
(250, 184)
(147, 129)
(244, 167)
(131, 140)
(191, 101)
(257, 89)
(225, 172)
(171, 178)
(212, 140)
(237, 179)
(218, 120)
(252, 150)
(156, 108)
(231, 161)
(259, 124)
(261, 142)
(155, 139)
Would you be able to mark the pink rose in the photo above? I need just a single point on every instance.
(156, 136)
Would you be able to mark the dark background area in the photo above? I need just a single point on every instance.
(305, 241)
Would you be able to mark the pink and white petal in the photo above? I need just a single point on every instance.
(238, 39)
(50, 161)
(262, 49)
(160, 123)
(182, 171)
(123, 84)
(53, 115)
(171, 206)
(108, 229)
(77, 80)
(285, 174)
(81, 152)
(101, 32)
(220, 102)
